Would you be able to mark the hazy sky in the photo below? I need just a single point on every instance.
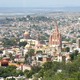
(39, 3)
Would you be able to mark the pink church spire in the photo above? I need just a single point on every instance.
(56, 27)
(55, 37)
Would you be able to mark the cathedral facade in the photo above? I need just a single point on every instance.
(55, 39)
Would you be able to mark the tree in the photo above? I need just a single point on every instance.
(49, 71)
(39, 51)
(48, 74)
(28, 16)
(47, 65)
(67, 49)
(22, 44)
(31, 52)
(10, 71)
(11, 56)
(26, 58)
(41, 73)
(72, 57)
(19, 72)
(76, 52)
(9, 42)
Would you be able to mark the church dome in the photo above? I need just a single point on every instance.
(26, 35)
(26, 32)
(4, 62)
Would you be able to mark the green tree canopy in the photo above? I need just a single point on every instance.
(22, 44)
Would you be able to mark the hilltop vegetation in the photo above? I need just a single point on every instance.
(56, 71)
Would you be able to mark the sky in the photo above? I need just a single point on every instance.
(39, 3)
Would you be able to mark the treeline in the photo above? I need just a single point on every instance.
(48, 71)
(10, 71)
(56, 71)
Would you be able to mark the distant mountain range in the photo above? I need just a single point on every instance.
(36, 10)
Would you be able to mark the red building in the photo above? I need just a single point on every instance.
(55, 39)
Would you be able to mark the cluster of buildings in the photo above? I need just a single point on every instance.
(52, 51)
(14, 26)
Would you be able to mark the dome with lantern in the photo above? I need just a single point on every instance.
(26, 35)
